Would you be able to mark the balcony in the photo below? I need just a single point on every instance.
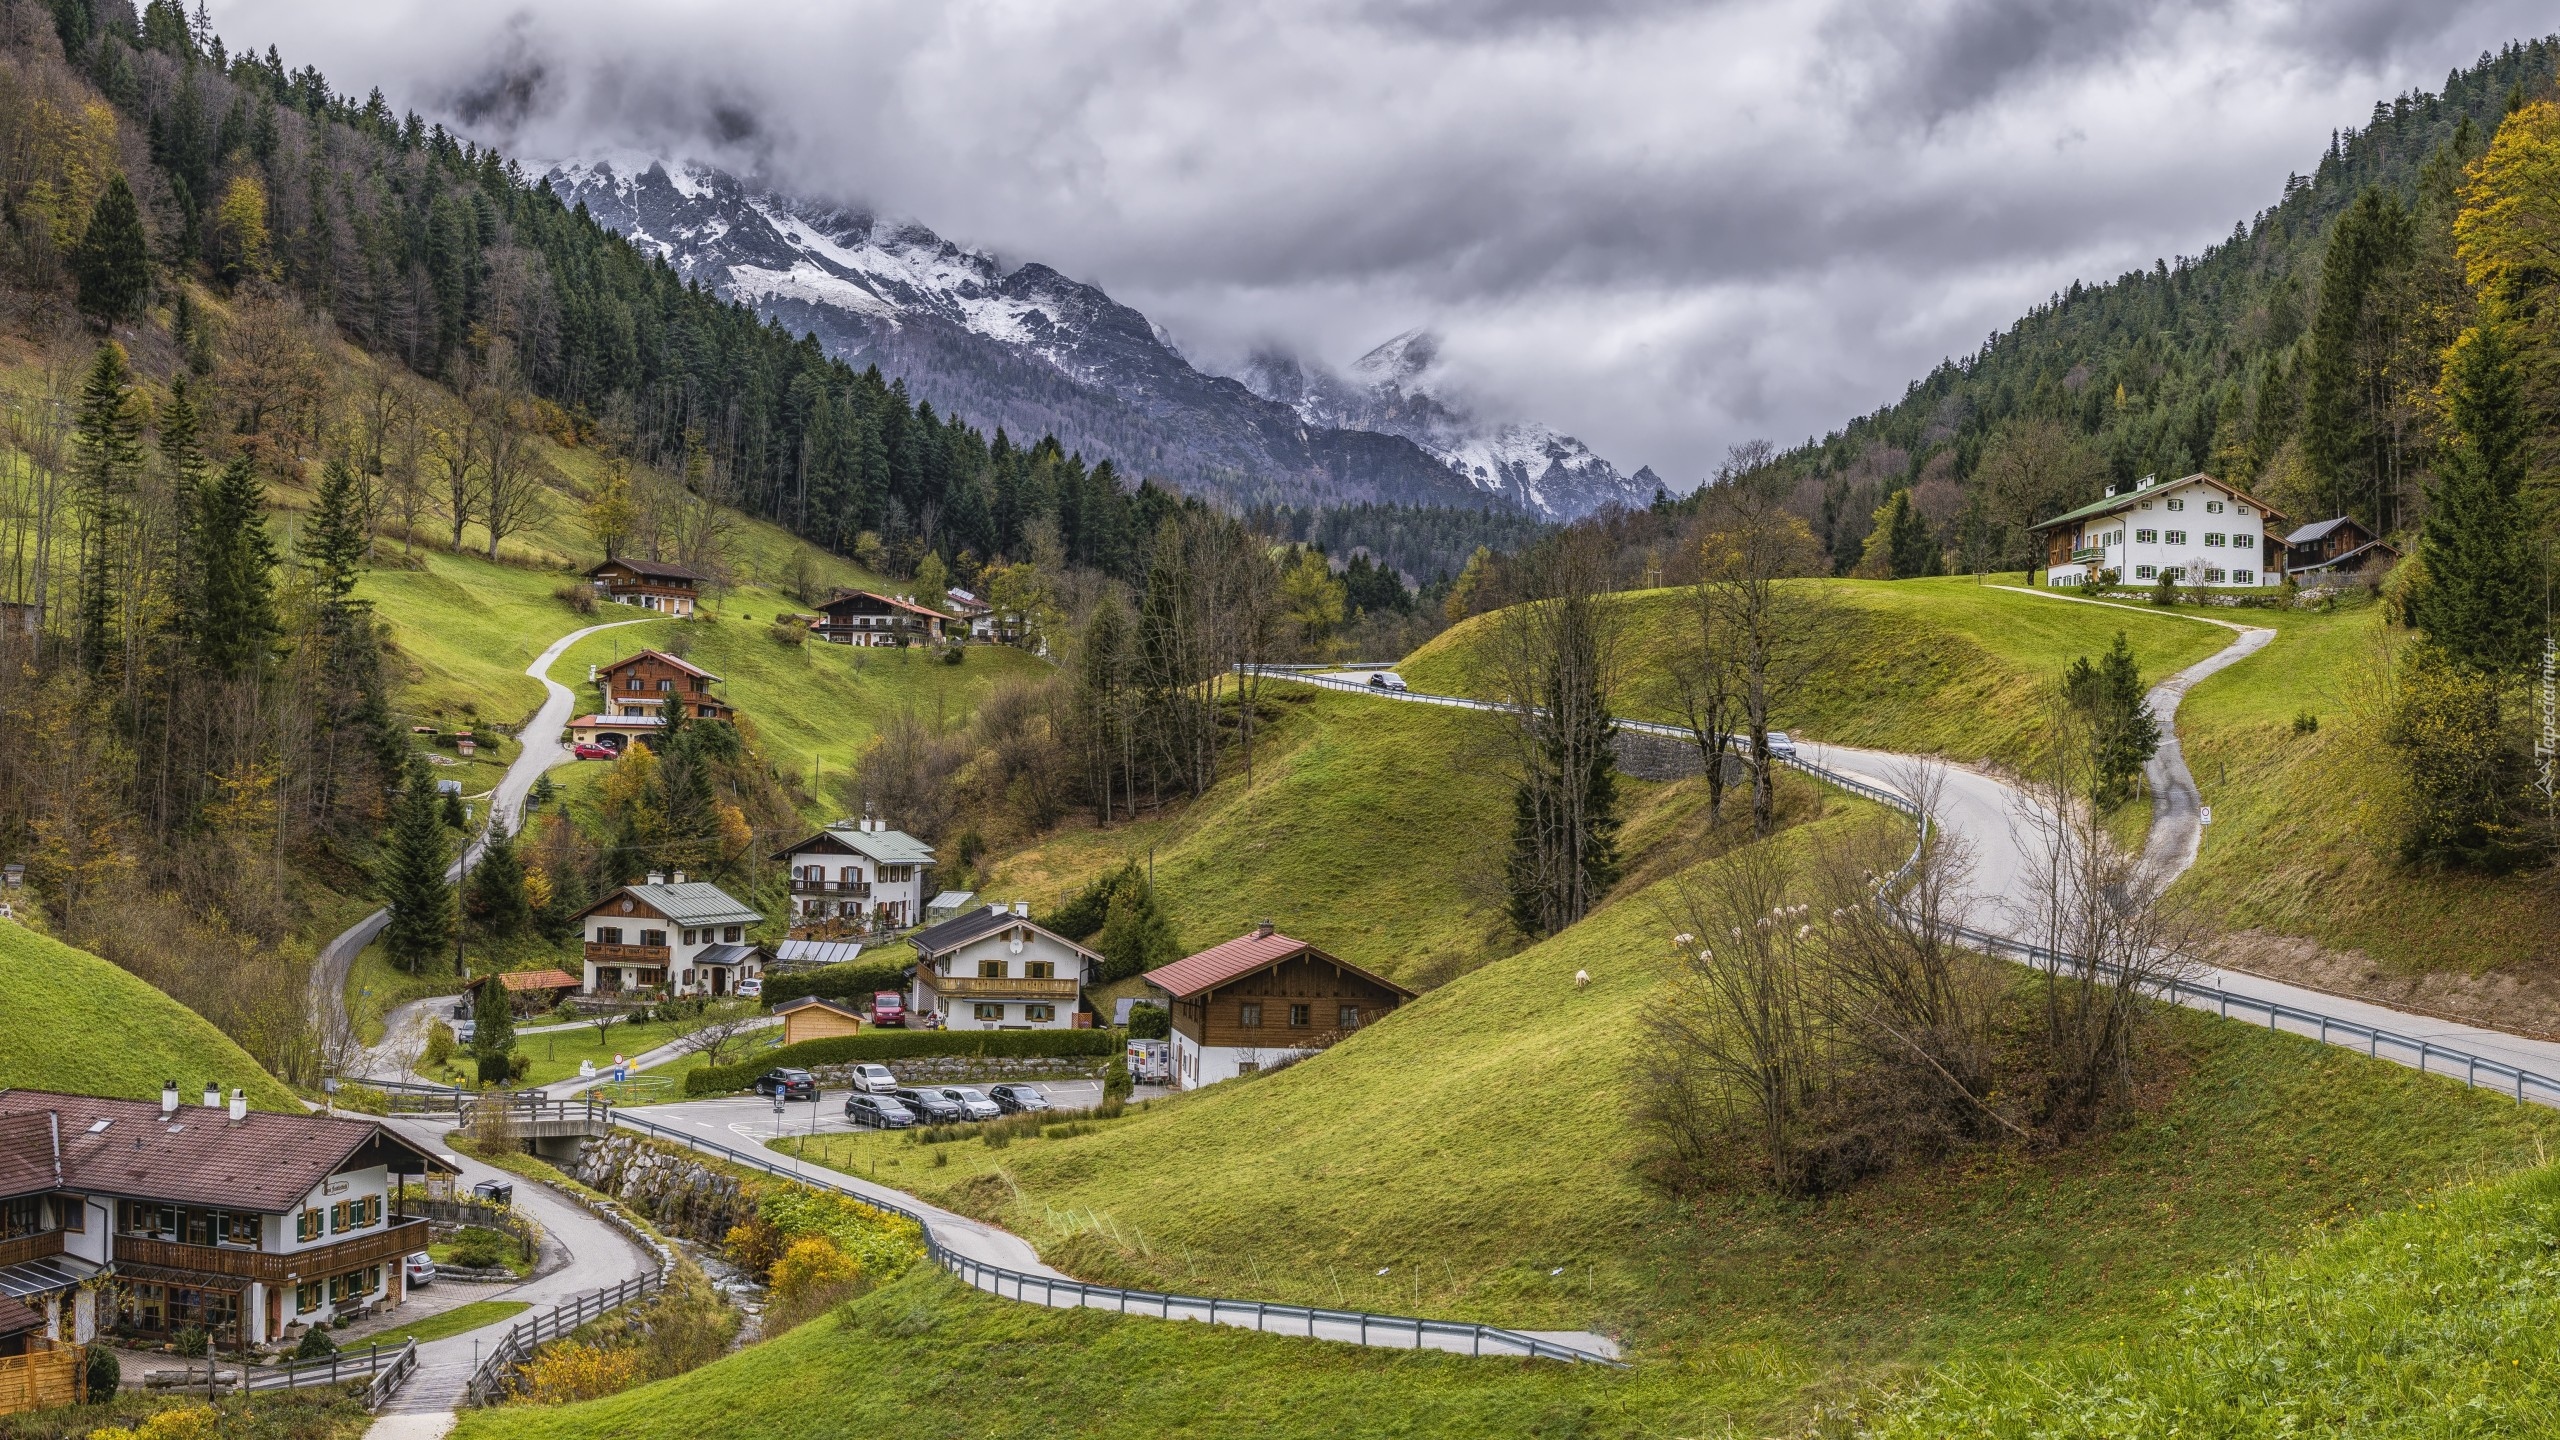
(603, 954)
(852, 889)
(975, 987)
(2089, 556)
(30, 1247)
(271, 1267)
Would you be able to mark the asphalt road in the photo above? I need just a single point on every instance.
(542, 749)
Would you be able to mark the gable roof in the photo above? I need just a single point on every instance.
(649, 570)
(883, 847)
(892, 601)
(695, 902)
(934, 941)
(2125, 499)
(264, 1161)
(1254, 950)
(2319, 528)
(16, 1318)
(30, 1155)
(815, 1002)
(638, 655)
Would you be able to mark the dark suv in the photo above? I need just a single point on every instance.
(1014, 1099)
(878, 1112)
(933, 1105)
(789, 1083)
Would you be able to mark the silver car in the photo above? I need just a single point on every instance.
(972, 1102)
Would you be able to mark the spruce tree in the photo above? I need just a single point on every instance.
(497, 889)
(108, 436)
(1136, 936)
(412, 876)
(1915, 552)
(112, 262)
(2123, 733)
(233, 627)
(332, 540)
(493, 1031)
(2476, 598)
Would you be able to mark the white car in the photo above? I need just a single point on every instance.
(750, 988)
(419, 1269)
(874, 1079)
(972, 1102)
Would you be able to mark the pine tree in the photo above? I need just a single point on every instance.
(412, 877)
(112, 262)
(2123, 733)
(108, 433)
(332, 540)
(1136, 936)
(493, 1031)
(497, 889)
(2476, 600)
(233, 625)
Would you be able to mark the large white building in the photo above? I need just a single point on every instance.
(993, 969)
(856, 877)
(2197, 531)
(670, 936)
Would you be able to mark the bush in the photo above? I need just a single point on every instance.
(2164, 591)
(789, 631)
(853, 982)
(1116, 1083)
(316, 1345)
(1149, 1022)
(880, 1045)
(191, 1341)
(440, 1043)
(577, 596)
(480, 1247)
(563, 1373)
(104, 1372)
(954, 655)
(2306, 723)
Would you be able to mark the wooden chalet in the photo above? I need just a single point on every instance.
(668, 936)
(864, 617)
(1262, 998)
(649, 584)
(653, 684)
(2341, 546)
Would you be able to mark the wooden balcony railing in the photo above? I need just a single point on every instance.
(975, 987)
(858, 889)
(601, 954)
(393, 1240)
(30, 1247)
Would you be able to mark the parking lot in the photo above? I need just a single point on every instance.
(753, 1117)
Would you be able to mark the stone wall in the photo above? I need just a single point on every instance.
(676, 1190)
(1663, 757)
(974, 1069)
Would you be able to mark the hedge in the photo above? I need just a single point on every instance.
(855, 980)
(904, 1044)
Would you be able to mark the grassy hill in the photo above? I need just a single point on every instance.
(81, 1024)
(1945, 667)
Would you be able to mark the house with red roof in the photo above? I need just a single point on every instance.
(1260, 1000)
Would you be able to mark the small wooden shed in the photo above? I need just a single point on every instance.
(815, 1017)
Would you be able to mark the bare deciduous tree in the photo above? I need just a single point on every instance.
(720, 1036)
(1774, 636)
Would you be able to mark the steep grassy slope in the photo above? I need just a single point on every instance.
(1946, 667)
(75, 1022)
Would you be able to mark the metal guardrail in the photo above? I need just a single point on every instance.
(2521, 1083)
(494, 1378)
(979, 1275)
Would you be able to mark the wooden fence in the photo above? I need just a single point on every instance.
(47, 1375)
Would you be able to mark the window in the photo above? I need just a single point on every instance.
(2174, 572)
(2238, 539)
(1040, 1012)
(2146, 504)
(632, 684)
(608, 934)
(2146, 572)
(306, 1226)
(2212, 576)
(1249, 1016)
(1248, 1067)
(71, 1212)
(988, 1012)
(688, 937)
(1298, 1016)
(2177, 537)
(1347, 1018)
(2213, 538)
(2146, 537)
(991, 969)
(1040, 969)
(732, 934)
(667, 687)
(338, 1217)
(306, 1298)
(2213, 507)
(21, 1217)
(2244, 577)
(239, 1229)
(653, 937)
(2177, 504)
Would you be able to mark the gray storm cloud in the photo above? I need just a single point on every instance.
(1662, 227)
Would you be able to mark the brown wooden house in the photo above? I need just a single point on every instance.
(649, 584)
(657, 686)
(2341, 546)
(863, 617)
(1260, 999)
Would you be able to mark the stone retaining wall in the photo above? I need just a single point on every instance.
(975, 1069)
(678, 1192)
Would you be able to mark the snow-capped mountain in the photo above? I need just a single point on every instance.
(1022, 347)
(1394, 390)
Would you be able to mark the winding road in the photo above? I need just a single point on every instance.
(542, 749)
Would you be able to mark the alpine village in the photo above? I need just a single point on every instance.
(596, 846)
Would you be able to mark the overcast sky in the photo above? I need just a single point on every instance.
(1661, 227)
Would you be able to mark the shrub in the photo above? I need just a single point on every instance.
(580, 1372)
(104, 1372)
(440, 1043)
(191, 1341)
(181, 1422)
(1149, 1022)
(883, 1045)
(857, 981)
(577, 596)
(2164, 591)
(814, 1265)
(1116, 1083)
(2306, 723)
(480, 1247)
(789, 631)
(316, 1345)
(954, 655)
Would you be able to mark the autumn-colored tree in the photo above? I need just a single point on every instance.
(608, 510)
(241, 250)
(1312, 598)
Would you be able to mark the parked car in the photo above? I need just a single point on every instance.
(463, 1030)
(878, 1112)
(1781, 746)
(874, 1079)
(1385, 680)
(494, 1192)
(1015, 1099)
(936, 1108)
(750, 988)
(419, 1269)
(789, 1082)
(972, 1101)
(590, 750)
(889, 1008)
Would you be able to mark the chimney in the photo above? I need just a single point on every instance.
(239, 1103)
(212, 1094)
(678, 877)
(1022, 908)
(657, 877)
(168, 1097)
(1262, 930)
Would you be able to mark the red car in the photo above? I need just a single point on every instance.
(888, 1008)
(589, 750)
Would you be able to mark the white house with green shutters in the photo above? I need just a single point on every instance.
(2196, 531)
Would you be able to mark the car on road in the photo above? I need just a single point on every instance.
(889, 1008)
(590, 750)
(1015, 1099)
(874, 1079)
(1781, 746)
(418, 1269)
(933, 1105)
(973, 1102)
(877, 1112)
(789, 1082)
(1385, 680)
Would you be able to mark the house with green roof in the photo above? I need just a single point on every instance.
(2196, 531)
(856, 878)
(669, 936)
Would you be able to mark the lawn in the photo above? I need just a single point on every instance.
(461, 1320)
(85, 1026)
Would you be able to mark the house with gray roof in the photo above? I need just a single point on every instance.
(2194, 531)
(669, 936)
(994, 969)
(856, 878)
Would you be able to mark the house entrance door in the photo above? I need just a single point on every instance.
(275, 1313)
(719, 979)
